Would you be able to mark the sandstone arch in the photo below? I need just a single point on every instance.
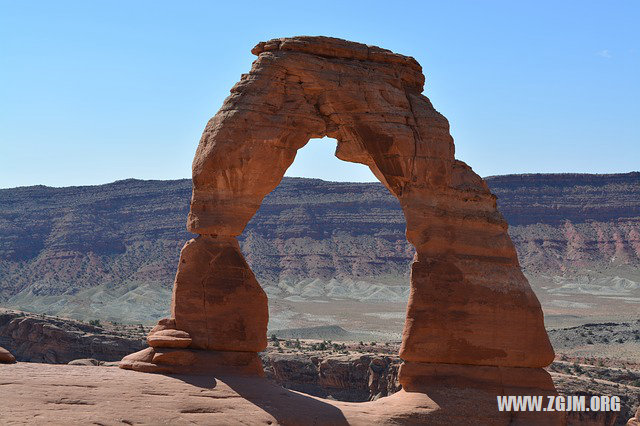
(470, 304)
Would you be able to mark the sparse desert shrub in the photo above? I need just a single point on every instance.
(95, 323)
(322, 346)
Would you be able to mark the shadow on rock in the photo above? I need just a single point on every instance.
(287, 407)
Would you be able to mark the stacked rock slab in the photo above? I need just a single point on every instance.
(469, 304)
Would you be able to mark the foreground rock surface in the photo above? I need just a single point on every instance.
(62, 394)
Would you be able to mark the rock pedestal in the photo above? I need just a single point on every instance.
(469, 305)
(219, 315)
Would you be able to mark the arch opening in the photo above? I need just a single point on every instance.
(317, 160)
(331, 256)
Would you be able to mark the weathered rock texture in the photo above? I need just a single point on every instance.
(70, 395)
(39, 338)
(469, 301)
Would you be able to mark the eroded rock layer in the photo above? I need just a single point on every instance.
(469, 303)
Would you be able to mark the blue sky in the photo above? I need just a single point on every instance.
(95, 91)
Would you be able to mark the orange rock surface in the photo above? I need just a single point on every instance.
(469, 304)
(217, 299)
(66, 395)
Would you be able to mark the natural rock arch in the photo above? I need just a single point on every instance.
(469, 304)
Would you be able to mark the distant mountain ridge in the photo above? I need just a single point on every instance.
(112, 249)
(555, 198)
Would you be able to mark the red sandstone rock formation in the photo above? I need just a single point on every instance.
(470, 304)
(6, 357)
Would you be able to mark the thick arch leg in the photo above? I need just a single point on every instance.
(470, 304)
(219, 315)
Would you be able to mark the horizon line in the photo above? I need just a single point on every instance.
(323, 180)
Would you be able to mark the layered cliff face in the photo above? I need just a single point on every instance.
(353, 377)
(578, 240)
(572, 222)
(35, 338)
(110, 251)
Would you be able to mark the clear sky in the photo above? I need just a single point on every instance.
(95, 91)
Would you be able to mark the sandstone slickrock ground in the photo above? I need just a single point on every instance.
(63, 395)
(50, 394)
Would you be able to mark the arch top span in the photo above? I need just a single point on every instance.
(469, 302)
(368, 99)
(332, 47)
